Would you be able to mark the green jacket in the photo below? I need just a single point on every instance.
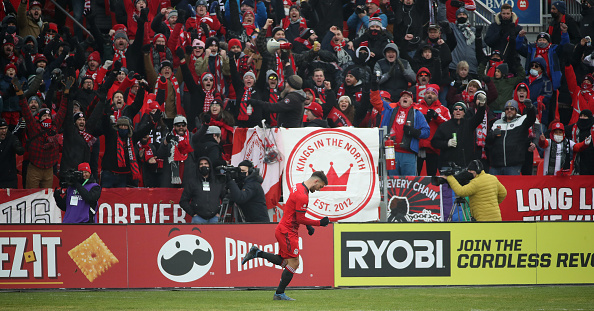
(505, 87)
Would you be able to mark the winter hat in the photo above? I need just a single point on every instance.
(157, 36)
(84, 167)
(589, 77)
(459, 104)
(295, 82)
(355, 73)
(210, 41)
(386, 94)
(120, 34)
(424, 70)
(206, 75)
(78, 115)
(124, 70)
(461, 10)
(434, 88)
(504, 68)
(3, 123)
(249, 3)
(42, 112)
(213, 130)
(198, 42)
(248, 12)
(180, 119)
(476, 82)
(406, 92)
(166, 63)
(475, 165)
(201, 3)
(250, 74)
(94, 56)
(375, 21)
(34, 97)
(544, 35)
(34, 3)
(347, 98)
(306, 33)
(587, 113)
(561, 6)
(363, 46)
(276, 29)
(123, 120)
(234, 42)
(315, 109)
(173, 13)
(8, 40)
(271, 72)
(10, 65)
(376, 2)
(511, 103)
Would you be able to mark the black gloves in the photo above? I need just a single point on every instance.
(486, 79)
(206, 118)
(131, 74)
(253, 102)
(456, 3)
(180, 53)
(189, 49)
(528, 103)
(163, 79)
(146, 48)
(156, 116)
(324, 222)
(171, 137)
(143, 15)
(310, 230)
(431, 114)
(117, 65)
(411, 131)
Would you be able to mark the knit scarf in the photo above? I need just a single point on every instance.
(121, 56)
(341, 53)
(219, 80)
(321, 93)
(89, 139)
(179, 152)
(340, 91)
(481, 135)
(148, 152)
(178, 107)
(492, 66)
(467, 98)
(158, 57)
(245, 111)
(467, 32)
(339, 118)
(208, 98)
(286, 22)
(226, 129)
(122, 149)
(273, 99)
(565, 156)
(280, 68)
(250, 29)
(305, 42)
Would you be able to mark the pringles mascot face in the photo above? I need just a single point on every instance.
(185, 258)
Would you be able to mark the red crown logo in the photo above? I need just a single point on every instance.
(335, 183)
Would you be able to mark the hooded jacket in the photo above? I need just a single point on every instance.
(250, 198)
(394, 76)
(202, 195)
(500, 33)
(484, 193)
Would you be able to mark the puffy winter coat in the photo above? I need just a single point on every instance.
(484, 193)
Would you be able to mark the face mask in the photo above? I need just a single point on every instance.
(542, 45)
(235, 54)
(534, 72)
(47, 123)
(375, 32)
(462, 20)
(558, 138)
(123, 133)
(160, 48)
(204, 171)
(583, 124)
(433, 40)
(555, 15)
(11, 29)
(287, 11)
(586, 86)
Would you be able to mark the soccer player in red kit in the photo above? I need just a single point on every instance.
(287, 231)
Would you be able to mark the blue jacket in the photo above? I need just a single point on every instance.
(420, 124)
(529, 50)
(260, 13)
(354, 22)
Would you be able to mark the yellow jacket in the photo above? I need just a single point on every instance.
(484, 193)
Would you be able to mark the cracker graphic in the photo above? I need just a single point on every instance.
(92, 257)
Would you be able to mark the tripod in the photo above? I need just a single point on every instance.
(461, 203)
(236, 213)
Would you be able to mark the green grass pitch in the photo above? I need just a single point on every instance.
(405, 298)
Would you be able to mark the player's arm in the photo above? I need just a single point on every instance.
(301, 210)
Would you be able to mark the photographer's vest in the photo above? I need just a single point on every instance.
(77, 209)
(401, 141)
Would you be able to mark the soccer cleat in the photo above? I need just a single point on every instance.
(282, 296)
(251, 254)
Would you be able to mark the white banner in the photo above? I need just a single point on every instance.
(28, 206)
(349, 157)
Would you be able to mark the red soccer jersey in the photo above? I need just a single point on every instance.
(297, 203)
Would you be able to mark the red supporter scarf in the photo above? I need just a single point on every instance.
(148, 152)
(339, 118)
(337, 47)
(183, 148)
(467, 98)
(286, 22)
(273, 99)
(122, 149)
(208, 99)
(88, 138)
(280, 68)
(244, 115)
(321, 93)
(544, 53)
(250, 29)
(120, 55)
(340, 91)
(218, 74)
(492, 66)
(178, 107)
(305, 42)
(551, 26)
(397, 130)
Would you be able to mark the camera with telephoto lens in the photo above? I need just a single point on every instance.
(72, 177)
(360, 9)
(228, 170)
(461, 174)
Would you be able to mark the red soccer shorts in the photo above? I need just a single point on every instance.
(288, 244)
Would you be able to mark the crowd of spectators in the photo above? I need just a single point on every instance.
(166, 82)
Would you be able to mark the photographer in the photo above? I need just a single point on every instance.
(484, 192)
(246, 191)
(359, 20)
(79, 198)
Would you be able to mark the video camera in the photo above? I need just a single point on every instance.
(228, 170)
(461, 174)
(72, 177)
